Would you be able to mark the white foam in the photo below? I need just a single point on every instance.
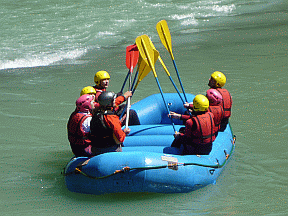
(224, 8)
(180, 17)
(42, 59)
(186, 20)
(106, 33)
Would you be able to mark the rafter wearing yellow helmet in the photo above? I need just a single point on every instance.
(198, 135)
(101, 79)
(87, 90)
(217, 81)
(200, 103)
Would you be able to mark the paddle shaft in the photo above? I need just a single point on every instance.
(164, 34)
(126, 78)
(179, 80)
(167, 108)
(167, 72)
(149, 53)
(133, 90)
(132, 55)
(129, 98)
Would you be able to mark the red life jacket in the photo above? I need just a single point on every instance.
(98, 92)
(226, 102)
(204, 131)
(218, 113)
(77, 137)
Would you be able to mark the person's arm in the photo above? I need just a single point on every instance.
(178, 116)
(120, 99)
(185, 117)
(114, 123)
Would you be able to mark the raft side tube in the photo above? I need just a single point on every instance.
(100, 174)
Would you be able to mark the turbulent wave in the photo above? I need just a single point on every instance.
(42, 60)
(42, 33)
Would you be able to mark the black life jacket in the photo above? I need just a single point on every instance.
(101, 134)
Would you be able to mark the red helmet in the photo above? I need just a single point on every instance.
(83, 103)
(213, 96)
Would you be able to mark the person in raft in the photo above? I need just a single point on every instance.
(217, 81)
(198, 134)
(215, 99)
(79, 126)
(88, 90)
(106, 132)
(101, 80)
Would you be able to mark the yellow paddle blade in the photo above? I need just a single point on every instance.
(152, 45)
(148, 54)
(161, 61)
(144, 69)
(139, 44)
(165, 36)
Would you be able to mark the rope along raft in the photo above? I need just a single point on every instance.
(171, 165)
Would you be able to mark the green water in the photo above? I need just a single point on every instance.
(251, 49)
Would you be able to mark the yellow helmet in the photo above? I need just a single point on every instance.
(219, 77)
(200, 103)
(87, 90)
(101, 75)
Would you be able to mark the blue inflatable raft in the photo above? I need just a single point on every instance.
(143, 166)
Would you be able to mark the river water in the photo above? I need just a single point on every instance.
(50, 50)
